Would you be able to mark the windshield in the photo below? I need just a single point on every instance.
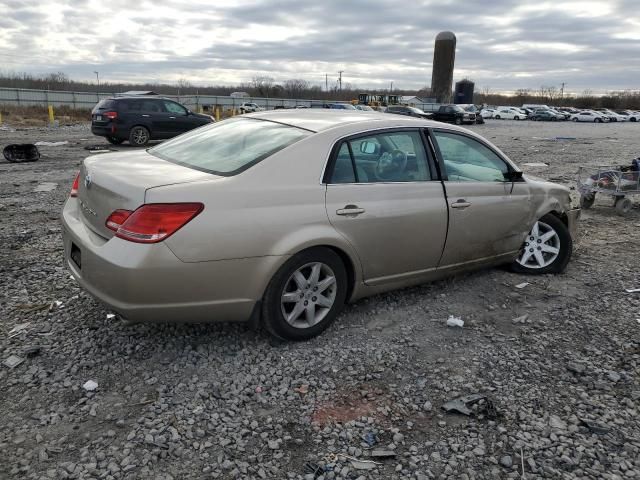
(228, 147)
(417, 110)
(457, 108)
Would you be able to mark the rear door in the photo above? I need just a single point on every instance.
(382, 196)
(142, 111)
(489, 215)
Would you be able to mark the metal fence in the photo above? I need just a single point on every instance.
(87, 100)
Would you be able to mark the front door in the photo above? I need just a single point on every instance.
(489, 215)
(384, 199)
(176, 118)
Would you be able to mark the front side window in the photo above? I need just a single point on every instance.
(228, 147)
(383, 157)
(467, 160)
(173, 107)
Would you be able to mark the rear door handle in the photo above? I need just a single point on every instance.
(350, 210)
(460, 204)
(172, 117)
(145, 115)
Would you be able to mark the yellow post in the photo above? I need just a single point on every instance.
(51, 119)
(233, 112)
(0, 118)
(217, 114)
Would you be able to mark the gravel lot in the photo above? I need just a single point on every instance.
(559, 359)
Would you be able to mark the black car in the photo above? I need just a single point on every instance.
(140, 119)
(543, 115)
(409, 111)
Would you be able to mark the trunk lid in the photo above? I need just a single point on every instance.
(120, 180)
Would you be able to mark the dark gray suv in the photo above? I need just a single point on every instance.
(140, 119)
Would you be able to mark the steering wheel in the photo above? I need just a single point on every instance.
(391, 164)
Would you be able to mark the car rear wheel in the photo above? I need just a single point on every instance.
(623, 206)
(305, 295)
(497, 117)
(546, 249)
(139, 136)
(114, 140)
(516, 118)
(574, 119)
(597, 120)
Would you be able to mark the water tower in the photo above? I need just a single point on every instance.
(444, 55)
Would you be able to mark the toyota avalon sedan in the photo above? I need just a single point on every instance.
(282, 217)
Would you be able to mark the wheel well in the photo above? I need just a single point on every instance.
(562, 216)
(349, 267)
(140, 125)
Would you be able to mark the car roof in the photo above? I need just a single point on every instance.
(319, 120)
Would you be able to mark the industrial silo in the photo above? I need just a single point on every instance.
(444, 55)
(463, 92)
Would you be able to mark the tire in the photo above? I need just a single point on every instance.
(633, 119)
(554, 119)
(516, 118)
(497, 117)
(551, 262)
(574, 119)
(114, 140)
(623, 206)
(139, 136)
(597, 120)
(275, 306)
(587, 199)
(458, 121)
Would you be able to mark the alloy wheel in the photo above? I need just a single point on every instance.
(140, 136)
(308, 295)
(541, 247)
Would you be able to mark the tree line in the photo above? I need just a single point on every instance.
(265, 86)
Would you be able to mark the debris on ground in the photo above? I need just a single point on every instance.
(13, 361)
(45, 187)
(51, 144)
(632, 290)
(363, 464)
(21, 152)
(311, 468)
(90, 385)
(55, 305)
(370, 439)
(98, 148)
(521, 319)
(383, 454)
(18, 328)
(595, 427)
(302, 389)
(473, 404)
(31, 350)
(111, 316)
(535, 164)
(522, 285)
(454, 321)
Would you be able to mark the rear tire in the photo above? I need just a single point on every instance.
(114, 140)
(299, 306)
(542, 255)
(516, 118)
(139, 136)
(586, 200)
(623, 206)
(497, 117)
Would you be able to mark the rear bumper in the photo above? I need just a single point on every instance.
(573, 216)
(148, 283)
(103, 131)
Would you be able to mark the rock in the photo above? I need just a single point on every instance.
(506, 461)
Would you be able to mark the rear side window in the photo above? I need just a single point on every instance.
(229, 147)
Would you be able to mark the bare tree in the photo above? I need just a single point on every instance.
(295, 87)
(262, 85)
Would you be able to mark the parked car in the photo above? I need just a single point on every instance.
(630, 114)
(406, 110)
(250, 107)
(561, 115)
(471, 108)
(544, 115)
(364, 108)
(227, 223)
(341, 106)
(613, 116)
(589, 116)
(453, 114)
(508, 114)
(487, 113)
(141, 119)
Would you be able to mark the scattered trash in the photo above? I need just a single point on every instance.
(45, 187)
(31, 351)
(370, 439)
(18, 328)
(111, 316)
(56, 304)
(632, 290)
(535, 164)
(51, 144)
(465, 403)
(383, 454)
(595, 427)
(33, 307)
(13, 361)
(363, 464)
(455, 322)
(310, 468)
(98, 148)
(90, 385)
(521, 319)
(522, 285)
(100, 151)
(21, 152)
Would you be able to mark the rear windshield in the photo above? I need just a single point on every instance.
(104, 105)
(228, 147)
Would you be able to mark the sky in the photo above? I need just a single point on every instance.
(502, 45)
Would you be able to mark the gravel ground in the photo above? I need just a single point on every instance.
(558, 360)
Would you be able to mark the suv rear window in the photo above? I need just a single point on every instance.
(229, 147)
(104, 105)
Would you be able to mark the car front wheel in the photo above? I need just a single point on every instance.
(305, 295)
(546, 249)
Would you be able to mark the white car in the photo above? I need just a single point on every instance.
(487, 112)
(508, 114)
(630, 115)
(589, 116)
(248, 107)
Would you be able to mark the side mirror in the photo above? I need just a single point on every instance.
(513, 176)
(369, 147)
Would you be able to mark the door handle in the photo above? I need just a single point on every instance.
(144, 115)
(172, 117)
(460, 204)
(350, 210)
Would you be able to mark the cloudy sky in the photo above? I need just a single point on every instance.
(502, 44)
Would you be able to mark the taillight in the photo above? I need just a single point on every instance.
(111, 115)
(117, 218)
(154, 222)
(74, 187)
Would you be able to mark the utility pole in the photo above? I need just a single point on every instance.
(562, 92)
(97, 80)
(326, 82)
(340, 79)
(391, 87)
